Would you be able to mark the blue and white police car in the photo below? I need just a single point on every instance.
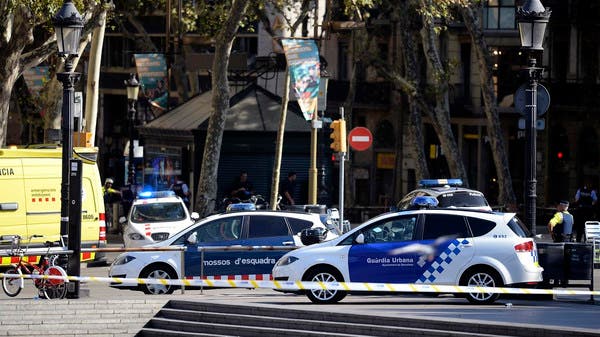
(229, 234)
(448, 193)
(477, 249)
(155, 216)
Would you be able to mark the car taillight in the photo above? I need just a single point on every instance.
(524, 247)
(102, 233)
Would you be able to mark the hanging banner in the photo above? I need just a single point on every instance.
(35, 78)
(305, 72)
(152, 72)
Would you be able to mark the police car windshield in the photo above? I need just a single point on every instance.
(158, 212)
(462, 199)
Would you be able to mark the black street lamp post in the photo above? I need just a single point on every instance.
(133, 88)
(532, 19)
(67, 26)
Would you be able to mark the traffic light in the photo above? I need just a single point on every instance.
(338, 136)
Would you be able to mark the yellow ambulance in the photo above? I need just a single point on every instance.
(30, 186)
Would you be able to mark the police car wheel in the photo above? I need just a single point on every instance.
(324, 296)
(483, 277)
(158, 272)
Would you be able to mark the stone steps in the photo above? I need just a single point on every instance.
(182, 318)
(106, 318)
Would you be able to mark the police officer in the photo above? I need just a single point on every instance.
(111, 196)
(561, 224)
(586, 199)
(182, 190)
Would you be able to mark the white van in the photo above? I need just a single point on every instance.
(30, 193)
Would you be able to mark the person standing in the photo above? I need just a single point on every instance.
(111, 196)
(182, 190)
(561, 224)
(287, 189)
(586, 199)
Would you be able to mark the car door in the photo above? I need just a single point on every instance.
(226, 231)
(375, 260)
(453, 246)
(268, 231)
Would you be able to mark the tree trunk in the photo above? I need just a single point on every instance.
(506, 194)
(411, 86)
(207, 184)
(441, 112)
(279, 144)
(91, 99)
(18, 36)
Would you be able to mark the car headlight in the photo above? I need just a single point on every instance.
(123, 259)
(284, 261)
(136, 236)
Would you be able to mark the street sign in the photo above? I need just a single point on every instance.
(360, 138)
(540, 124)
(523, 99)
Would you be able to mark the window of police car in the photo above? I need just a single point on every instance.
(518, 227)
(158, 212)
(265, 226)
(461, 199)
(298, 225)
(226, 229)
(401, 228)
(480, 227)
(438, 225)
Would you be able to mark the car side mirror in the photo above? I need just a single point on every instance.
(360, 238)
(195, 216)
(122, 220)
(192, 239)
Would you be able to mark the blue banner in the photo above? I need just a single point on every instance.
(152, 72)
(305, 72)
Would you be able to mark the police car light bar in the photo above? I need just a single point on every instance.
(440, 182)
(243, 206)
(155, 194)
(425, 202)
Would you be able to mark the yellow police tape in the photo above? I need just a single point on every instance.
(305, 285)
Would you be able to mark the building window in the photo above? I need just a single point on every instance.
(499, 14)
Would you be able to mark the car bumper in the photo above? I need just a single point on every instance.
(287, 273)
(129, 270)
(129, 242)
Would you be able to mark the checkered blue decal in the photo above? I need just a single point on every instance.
(432, 269)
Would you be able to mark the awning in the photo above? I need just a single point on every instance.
(254, 109)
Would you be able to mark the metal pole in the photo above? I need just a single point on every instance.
(342, 156)
(74, 243)
(312, 172)
(68, 79)
(531, 196)
(131, 173)
(182, 262)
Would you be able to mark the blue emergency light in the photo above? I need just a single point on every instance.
(440, 182)
(242, 206)
(155, 194)
(424, 202)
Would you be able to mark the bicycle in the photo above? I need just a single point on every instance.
(49, 288)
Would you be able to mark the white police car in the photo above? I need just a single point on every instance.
(154, 217)
(238, 229)
(449, 193)
(480, 249)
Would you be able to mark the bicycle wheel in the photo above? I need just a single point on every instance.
(54, 288)
(12, 285)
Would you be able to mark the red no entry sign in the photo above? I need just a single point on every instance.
(360, 138)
